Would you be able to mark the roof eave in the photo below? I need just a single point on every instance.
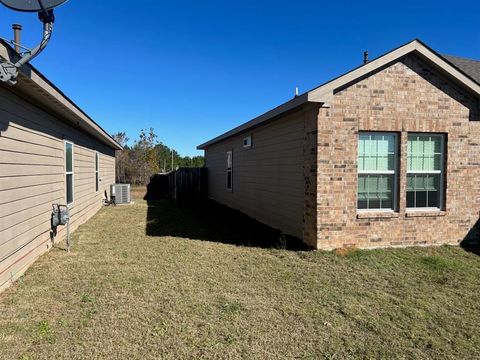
(260, 120)
(324, 93)
(52, 98)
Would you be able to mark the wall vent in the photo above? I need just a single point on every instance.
(247, 142)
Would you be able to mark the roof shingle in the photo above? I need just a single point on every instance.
(469, 67)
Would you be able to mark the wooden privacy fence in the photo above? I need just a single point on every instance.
(182, 184)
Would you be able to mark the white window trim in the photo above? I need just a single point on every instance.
(386, 172)
(394, 172)
(97, 171)
(249, 139)
(229, 153)
(376, 210)
(424, 209)
(69, 172)
(433, 172)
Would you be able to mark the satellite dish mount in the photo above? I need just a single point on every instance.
(44, 8)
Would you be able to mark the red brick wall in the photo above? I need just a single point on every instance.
(408, 96)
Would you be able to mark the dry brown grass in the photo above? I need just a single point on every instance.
(126, 295)
(138, 192)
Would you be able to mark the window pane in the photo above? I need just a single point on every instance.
(375, 191)
(371, 184)
(421, 199)
(370, 146)
(229, 180)
(387, 202)
(69, 181)
(361, 184)
(376, 152)
(229, 160)
(68, 157)
(362, 204)
(410, 183)
(419, 182)
(423, 190)
(410, 199)
(433, 199)
(96, 161)
(374, 202)
(382, 163)
(96, 181)
(370, 163)
(424, 153)
(432, 182)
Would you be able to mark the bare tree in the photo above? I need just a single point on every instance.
(122, 157)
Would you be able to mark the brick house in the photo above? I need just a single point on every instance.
(385, 155)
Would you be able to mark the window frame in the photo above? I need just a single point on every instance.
(395, 172)
(229, 170)
(248, 140)
(97, 172)
(67, 173)
(441, 173)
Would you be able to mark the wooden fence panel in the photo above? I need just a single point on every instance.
(182, 184)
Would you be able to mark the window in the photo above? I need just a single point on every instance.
(69, 172)
(229, 170)
(425, 171)
(97, 178)
(247, 142)
(377, 171)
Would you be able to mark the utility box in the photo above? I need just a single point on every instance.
(120, 193)
(60, 215)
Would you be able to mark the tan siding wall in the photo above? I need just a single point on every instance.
(32, 179)
(268, 180)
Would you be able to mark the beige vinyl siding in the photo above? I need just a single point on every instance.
(268, 179)
(32, 178)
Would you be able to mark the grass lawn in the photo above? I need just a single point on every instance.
(136, 287)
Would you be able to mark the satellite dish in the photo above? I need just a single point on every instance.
(32, 5)
(8, 70)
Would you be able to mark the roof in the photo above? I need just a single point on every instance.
(468, 66)
(35, 86)
(460, 70)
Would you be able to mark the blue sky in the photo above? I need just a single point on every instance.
(194, 69)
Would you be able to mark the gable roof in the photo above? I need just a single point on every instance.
(324, 93)
(35, 86)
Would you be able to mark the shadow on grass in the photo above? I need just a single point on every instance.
(209, 221)
(471, 243)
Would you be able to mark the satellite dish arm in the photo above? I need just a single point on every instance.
(47, 34)
(8, 70)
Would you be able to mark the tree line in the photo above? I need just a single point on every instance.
(136, 163)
